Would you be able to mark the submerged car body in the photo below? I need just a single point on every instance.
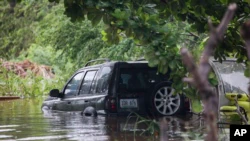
(117, 87)
(232, 84)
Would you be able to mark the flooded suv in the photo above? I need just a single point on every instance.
(116, 87)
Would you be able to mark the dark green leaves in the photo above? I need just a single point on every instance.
(57, 1)
(121, 15)
(247, 71)
(74, 11)
(95, 17)
(150, 5)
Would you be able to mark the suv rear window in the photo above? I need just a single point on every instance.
(131, 79)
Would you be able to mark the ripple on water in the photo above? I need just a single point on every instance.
(7, 130)
(70, 137)
(8, 126)
(5, 136)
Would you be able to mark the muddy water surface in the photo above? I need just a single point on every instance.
(23, 120)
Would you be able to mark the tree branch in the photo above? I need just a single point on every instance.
(216, 35)
(200, 74)
(245, 33)
(243, 117)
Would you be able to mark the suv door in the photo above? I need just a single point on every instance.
(70, 92)
(102, 87)
(83, 100)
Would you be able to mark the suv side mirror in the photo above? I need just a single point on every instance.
(55, 93)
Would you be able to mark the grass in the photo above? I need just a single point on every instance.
(29, 86)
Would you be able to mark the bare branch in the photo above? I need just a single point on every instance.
(245, 33)
(190, 34)
(215, 37)
(200, 74)
(189, 80)
(226, 19)
(239, 112)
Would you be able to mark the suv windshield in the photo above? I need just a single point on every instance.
(134, 79)
(232, 74)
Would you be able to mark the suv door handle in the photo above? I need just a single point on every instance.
(86, 101)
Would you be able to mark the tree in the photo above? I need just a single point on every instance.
(148, 24)
(78, 42)
(17, 23)
(145, 20)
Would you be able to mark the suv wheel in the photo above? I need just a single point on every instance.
(165, 102)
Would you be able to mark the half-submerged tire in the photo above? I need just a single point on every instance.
(90, 111)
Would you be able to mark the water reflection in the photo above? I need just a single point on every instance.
(24, 120)
(103, 128)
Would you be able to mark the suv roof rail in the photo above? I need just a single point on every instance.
(101, 59)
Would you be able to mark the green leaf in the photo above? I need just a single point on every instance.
(224, 1)
(57, 1)
(172, 64)
(211, 75)
(150, 5)
(95, 17)
(248, 1)
(106, 19)
(247, 72)
(122, 15)
(213, 82)
(129, 32)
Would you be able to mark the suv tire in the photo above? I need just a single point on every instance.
(163, 101)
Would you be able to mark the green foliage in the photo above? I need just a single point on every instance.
(59, 43)
(80, 41)
(65, 46)
(125, 50)
(30, 86)
(17, 25)
(212, 79)
(247, 71)
(145, 20)
(196, 105)
(152, 126)
(49, 56)
(151, 27)
(28, 19)
(155, 26)
(191, 135)
(75, 42)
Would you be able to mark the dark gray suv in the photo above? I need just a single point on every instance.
(116, 87)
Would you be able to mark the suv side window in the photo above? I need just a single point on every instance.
(87, 82)
(73, 85)
(103, 81)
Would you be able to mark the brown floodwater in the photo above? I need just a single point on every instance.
(23, 119)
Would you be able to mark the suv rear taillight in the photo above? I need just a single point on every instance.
(112, 105)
